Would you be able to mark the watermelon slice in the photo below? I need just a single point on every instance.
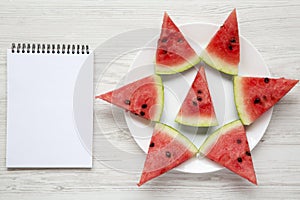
(173, 54)
(144, 97)
(223, 50)
(197, 109)
(167, 149)
(229, 147)
(254, 96)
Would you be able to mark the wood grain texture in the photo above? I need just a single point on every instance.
(272, 27)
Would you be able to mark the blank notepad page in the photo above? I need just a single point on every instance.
(49, 109)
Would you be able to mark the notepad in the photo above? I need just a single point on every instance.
(49, 106)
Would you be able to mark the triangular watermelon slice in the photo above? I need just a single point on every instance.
(229, 147)
(174, 54)
(144, 97)
(197, 109)
(223, 50)
(167, 149)
(254, 95)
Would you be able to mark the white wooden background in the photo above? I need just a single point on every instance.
(273, 26)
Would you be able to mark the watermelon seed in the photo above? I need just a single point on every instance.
(144, 106)
(142, 113)
(164, 51)
(199, 98)
(232, 40)
(230, 47)
(127, 102)
(266, 80)
(194, 103)
(248, 153)
(179, 40)
(239, 141)
(168, 154)
(152, 144)
(265, 97)
(164, 40)
(256, 100)
(240, 159)
(199, 91)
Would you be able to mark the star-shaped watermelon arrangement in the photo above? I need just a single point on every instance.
(227, 146)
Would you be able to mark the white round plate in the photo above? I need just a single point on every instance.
(176, 87)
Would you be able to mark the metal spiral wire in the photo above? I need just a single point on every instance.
(49, 48)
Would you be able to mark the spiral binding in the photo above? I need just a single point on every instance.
(50, 48)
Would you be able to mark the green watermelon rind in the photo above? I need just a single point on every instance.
(160, 89)
(218, 63)
(204, 122)
(213, 138)
(177, 136)
(238, 100)
(164, 70)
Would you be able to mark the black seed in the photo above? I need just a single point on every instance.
(232, 40)
(127, 102)
(168, 154)
(194, 103)
(199, 98)
(164, 40)
(256, 100)
(179, 40)
(164, 51)
(151, 144)
(144, 106)
(248, 153)
(266, 80)
(240, 159)
(239, 141)
(230, 47)
(136, 114)
(222, 26)
(142, 113)
(199, 91)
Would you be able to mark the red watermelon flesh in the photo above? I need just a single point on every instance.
(174, 54)
(197, 109)
(254, 95)
(229, 147)
(223, 50)
(144, 97)
(167, 149)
